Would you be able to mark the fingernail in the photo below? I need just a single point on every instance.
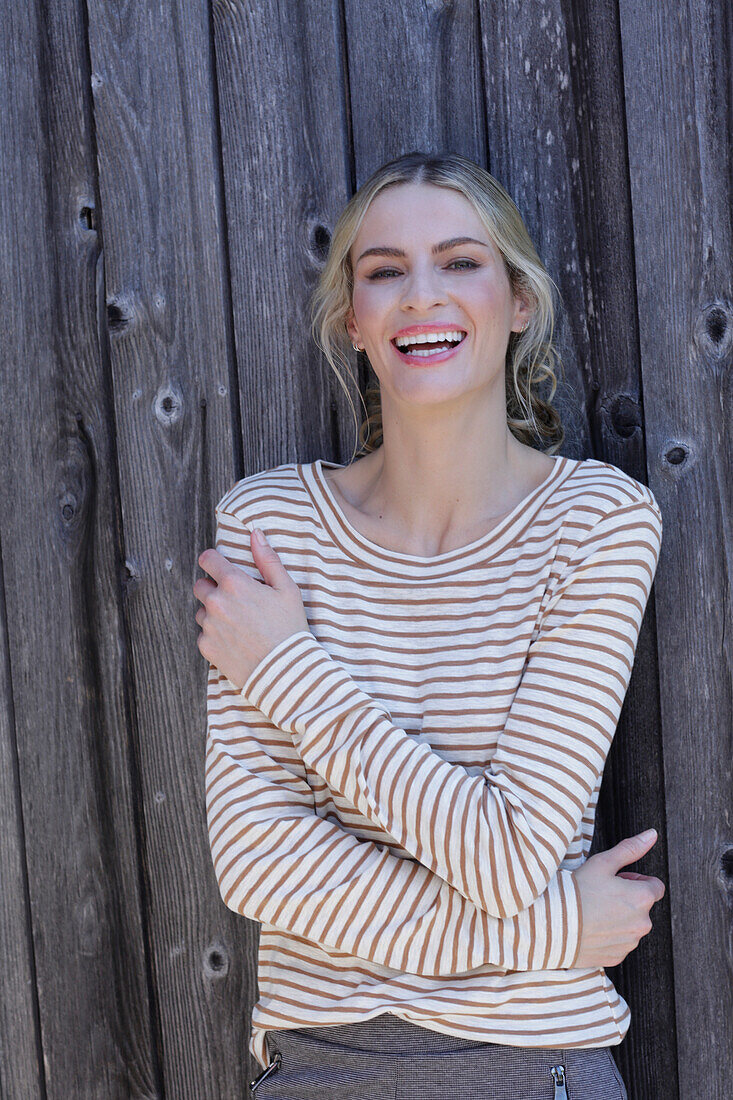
(258, 535)
(648, 834)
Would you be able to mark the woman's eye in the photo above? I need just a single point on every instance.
(391, 271)
(378, 274)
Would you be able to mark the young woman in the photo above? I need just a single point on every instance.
(415, 679)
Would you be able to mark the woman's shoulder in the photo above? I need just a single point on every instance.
(257, 494)
(605, 489)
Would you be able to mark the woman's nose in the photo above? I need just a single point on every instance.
(422, 289)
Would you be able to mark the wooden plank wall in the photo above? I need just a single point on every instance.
(170, 176)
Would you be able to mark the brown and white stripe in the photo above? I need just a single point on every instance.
(400, 794)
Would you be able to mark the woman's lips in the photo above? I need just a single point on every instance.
(433, 357)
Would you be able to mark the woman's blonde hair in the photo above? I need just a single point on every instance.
(531, 359)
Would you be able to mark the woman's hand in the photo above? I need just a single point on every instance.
(243, 619)
(615, 906)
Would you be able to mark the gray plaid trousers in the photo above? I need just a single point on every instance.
(386, 1058)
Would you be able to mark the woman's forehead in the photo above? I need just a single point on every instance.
(412, 215)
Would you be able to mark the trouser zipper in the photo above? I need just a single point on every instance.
(558, 1076)
(274, 1064)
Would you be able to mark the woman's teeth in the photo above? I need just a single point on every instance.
(428, 343)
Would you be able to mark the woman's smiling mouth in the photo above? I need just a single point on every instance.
(429, 347)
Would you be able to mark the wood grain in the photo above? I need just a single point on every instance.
(677, 66)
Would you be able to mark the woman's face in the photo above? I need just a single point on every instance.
(407, 287)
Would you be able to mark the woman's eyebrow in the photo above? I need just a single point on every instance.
(383, 250)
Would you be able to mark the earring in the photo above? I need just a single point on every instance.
(356, 347)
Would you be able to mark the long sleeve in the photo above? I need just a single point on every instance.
(497, 838)
(277, 862)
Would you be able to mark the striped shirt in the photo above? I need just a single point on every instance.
(400, 794)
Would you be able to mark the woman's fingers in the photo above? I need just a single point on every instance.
(243, 617)
(203, 588)
(268, 561)
(615, 916)
(629, 849)
(217, 566)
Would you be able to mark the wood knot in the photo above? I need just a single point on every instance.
(216, 961)
(319, 242)
(87, 217)
(168, 405)
(716, 324)
(726, 871)
(625, 415)
(68, 507)
(677, 454)
(118, 318)
(713, 335)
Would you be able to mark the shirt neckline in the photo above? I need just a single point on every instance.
(364, 551)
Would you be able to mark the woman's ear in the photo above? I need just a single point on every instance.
(351, 327)
(523, 310)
